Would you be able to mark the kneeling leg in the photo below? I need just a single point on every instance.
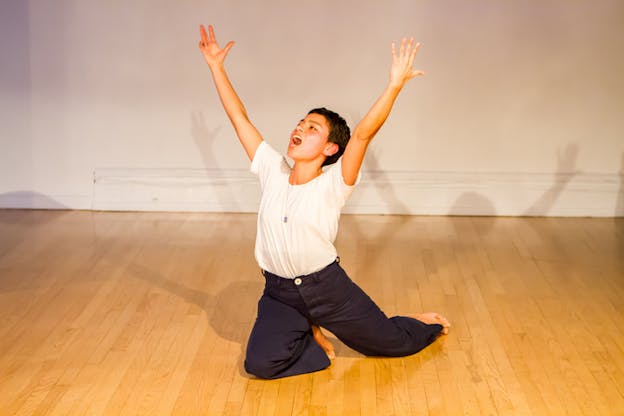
(281, 343)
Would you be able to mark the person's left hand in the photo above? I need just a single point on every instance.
(402, 62)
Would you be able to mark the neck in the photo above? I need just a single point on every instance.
(304, 172)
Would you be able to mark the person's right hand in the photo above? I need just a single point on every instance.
(213, 54)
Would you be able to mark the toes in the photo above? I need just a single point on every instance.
(443, 320)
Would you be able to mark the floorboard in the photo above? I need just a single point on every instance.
(108, 313)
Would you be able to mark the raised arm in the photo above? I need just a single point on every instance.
(247, 133)
(401, 71)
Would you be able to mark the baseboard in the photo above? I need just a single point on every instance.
(379, 192)
(212, 190)
(504, 194)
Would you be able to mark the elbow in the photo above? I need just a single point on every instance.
(361, 136)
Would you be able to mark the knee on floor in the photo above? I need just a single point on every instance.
(260, 367)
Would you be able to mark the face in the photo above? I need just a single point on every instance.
(308, 141)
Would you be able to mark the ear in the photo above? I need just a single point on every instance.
(330, 149)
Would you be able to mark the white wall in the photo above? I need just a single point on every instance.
(108, 105)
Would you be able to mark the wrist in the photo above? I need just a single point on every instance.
(216, 66)
(394, 87)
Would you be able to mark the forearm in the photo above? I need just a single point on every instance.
(377, 115)
(230, 100)
(247, 134)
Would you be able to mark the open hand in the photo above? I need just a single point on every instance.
(213, 54)
(402, 63)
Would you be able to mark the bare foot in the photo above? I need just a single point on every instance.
(323, 342)
(434, 318)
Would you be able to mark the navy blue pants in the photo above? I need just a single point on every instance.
(281, 342)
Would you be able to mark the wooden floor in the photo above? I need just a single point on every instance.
(148, 314)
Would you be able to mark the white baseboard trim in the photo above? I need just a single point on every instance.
(502, 194)
(211, 190)
(379, 192)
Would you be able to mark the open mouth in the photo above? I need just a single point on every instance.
(296, 140)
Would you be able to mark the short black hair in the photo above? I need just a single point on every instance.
(339, 132)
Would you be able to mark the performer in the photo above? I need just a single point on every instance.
(306, 288)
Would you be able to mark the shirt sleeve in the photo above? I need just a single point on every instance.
(267, 163)
(339, 186)
(257, 162)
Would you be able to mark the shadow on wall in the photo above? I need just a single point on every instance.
(473, 203)
(29, 200)
(205, 139)
(16, 156)
(566, 170)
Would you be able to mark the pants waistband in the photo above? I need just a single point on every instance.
(299, 279)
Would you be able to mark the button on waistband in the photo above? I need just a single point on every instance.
(298, 281)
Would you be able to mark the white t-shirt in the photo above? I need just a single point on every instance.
(297, 224)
